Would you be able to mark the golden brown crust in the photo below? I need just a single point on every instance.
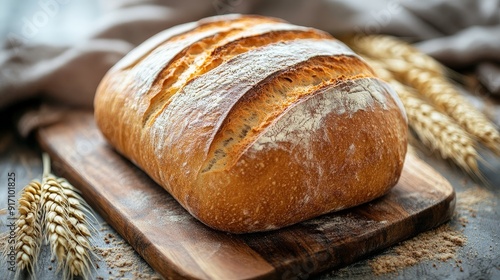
(310, 161)
(252, 123)
(209, 52)
(270, 97)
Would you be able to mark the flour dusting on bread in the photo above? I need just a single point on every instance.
(303, 121)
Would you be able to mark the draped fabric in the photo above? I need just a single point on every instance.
(462, 33)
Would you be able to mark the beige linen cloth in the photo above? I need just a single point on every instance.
(462, 33)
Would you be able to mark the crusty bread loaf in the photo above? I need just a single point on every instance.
(252, 123)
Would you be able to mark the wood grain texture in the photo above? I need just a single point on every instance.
(177, 245)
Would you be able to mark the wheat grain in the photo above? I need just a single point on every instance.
(79, 256)
(66, 226)
(426, 75)
(388, 47)
(57, 232)
(441, 133)
(56, 209)
(436, 130)
(446, 98)
(28, 228)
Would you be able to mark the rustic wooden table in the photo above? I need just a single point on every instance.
(476, 219)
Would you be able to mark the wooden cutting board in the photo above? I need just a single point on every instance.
(177, 245)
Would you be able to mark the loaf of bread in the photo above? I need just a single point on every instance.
(252, 123)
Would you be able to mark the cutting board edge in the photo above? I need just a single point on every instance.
(447, 205)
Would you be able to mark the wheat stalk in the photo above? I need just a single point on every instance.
(424, 74)
(382, 47)
(66, 227)
(79, 260)
(54, 204)
(28, 227)
(441, 133)
(436, 130)
(55, 210)
(448, 99)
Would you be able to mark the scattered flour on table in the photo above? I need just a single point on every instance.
(469, 199)
(122, 259)
(439, 244)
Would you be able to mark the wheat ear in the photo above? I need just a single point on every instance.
(426, 75)
(78, 262)
(448, 99)
(382, 47)
(436, 130)
(55, 219)
(28, 228)
(65, 224)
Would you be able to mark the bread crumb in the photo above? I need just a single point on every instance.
(463, 221)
